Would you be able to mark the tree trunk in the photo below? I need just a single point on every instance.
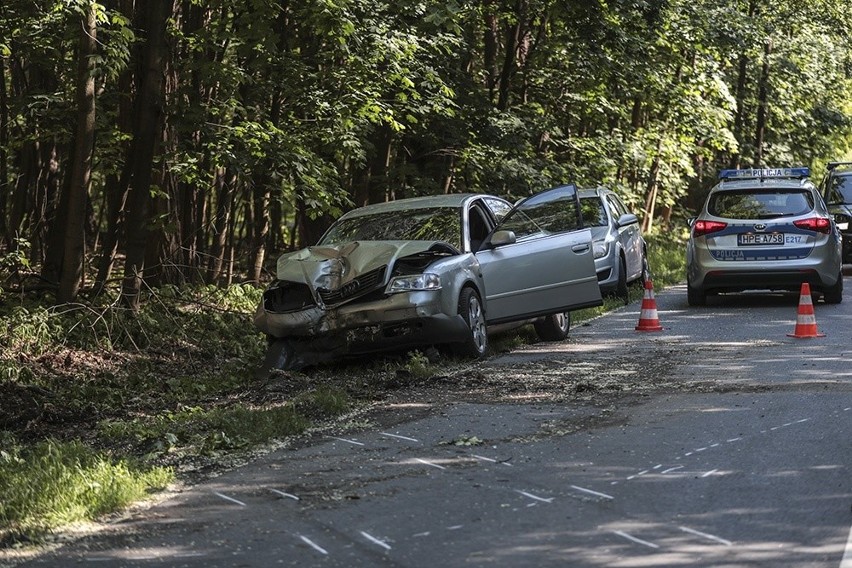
(5, 186)
(115, 186)
(762, 105)
(742, 81)
(224, 183)
(146, 135)
(73, 260)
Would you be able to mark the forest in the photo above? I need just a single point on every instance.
(175, 142)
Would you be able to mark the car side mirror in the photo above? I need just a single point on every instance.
(500, 238)
(627, 219)
(690, 222)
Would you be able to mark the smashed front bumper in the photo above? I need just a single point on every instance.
(396, 321)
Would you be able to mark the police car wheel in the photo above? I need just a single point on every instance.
(695, 296)
(834, 294)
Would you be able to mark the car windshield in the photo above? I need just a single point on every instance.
(422, 224)
(593, 212)
(760, 203)
(840, 190)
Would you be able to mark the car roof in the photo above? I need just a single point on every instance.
(456, 200)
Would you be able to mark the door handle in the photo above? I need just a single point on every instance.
(580, 249)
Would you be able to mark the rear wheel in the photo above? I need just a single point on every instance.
(553, 327)
(621, 290)
(470, 309)
(695, 296)
(834, 294)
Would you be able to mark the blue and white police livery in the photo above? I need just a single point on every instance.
(764, 229)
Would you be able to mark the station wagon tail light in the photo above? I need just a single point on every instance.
(701, 228)
(816, 224)
(415, 283)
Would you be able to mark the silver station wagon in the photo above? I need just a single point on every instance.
(441, 270)
(764, 229)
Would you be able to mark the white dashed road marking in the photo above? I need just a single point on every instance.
(429, 463)
(231, 499)
(287, 495)
(535, 497)
(313, 545)
(590, 492)
(353, 442)
(374, 540)
(398, 437)
(636, 540)
(846, 562)
(707, 536)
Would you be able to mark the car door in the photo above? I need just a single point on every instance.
(546, 265)
(629, 235)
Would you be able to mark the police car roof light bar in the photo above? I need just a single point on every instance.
(763, 173)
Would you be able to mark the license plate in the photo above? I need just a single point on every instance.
(748, 239)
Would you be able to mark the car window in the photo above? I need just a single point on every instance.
(426, 224)
(499, 207)
(617, 205)
(839, 190)
(760, 203)
(551, 211)
(478, 226)
(593, 212)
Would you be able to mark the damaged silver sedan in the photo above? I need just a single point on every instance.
(441, 270)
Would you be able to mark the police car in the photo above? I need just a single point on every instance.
(764, 229)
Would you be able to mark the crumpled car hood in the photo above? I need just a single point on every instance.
(330, 267)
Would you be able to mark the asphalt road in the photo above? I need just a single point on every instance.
(741, 458)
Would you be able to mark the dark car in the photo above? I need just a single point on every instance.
(446, 269)
(837, 192)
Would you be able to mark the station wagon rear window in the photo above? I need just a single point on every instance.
(760, 203)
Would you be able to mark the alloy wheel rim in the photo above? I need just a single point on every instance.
(477, 324)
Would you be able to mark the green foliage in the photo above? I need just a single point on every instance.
(53, 484)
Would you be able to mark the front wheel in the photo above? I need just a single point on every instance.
(470, 309)
(280, 355)
(553, 327)
(834, 294)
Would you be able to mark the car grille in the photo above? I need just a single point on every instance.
(356, 287)
(287, 297)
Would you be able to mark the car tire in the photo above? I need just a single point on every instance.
(834, 294)
(470, 309)
(646, 269)
(695, 296)
(280, 355)
(621, 290)
(554, 327)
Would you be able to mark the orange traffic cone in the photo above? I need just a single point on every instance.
(648, 319)
(805, 320)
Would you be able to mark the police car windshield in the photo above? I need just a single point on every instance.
(760, 204)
